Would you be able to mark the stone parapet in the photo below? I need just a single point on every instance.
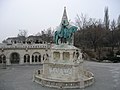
(24, 46)
(89, 80)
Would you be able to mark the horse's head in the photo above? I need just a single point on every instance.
(73, 29)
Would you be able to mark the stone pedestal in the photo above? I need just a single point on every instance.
(45, 70)
(64, 69)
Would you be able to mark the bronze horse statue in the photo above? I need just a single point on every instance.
(64, 34)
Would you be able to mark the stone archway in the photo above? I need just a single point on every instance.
(26, 58)
(14, 58)
(36, 57)
(2, 58)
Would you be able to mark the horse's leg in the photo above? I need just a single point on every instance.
(69, 39)
(61, 39)
(56, 40)
(56, 37)
(65, 40)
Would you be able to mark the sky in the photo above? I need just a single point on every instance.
(36, 15)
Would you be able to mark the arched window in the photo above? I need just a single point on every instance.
(15, 42)
(32, 58)
(39, 58)
(24, 58)
(15, 58)
(28, 60)
(2, 58)
(36, 58)
(40, 42)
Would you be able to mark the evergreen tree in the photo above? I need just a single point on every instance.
(118, 23)
(106, 19)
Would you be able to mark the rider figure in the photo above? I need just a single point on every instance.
(63, 32)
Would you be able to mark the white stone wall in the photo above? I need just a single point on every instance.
(21, 50)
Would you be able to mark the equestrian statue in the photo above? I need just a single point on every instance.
(64, 34)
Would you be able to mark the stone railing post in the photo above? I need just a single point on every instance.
(61, 55)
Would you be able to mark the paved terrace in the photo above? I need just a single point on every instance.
(107, 77)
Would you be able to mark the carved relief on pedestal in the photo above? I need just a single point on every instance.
(66, 56)
(56, 56)
(61, 71)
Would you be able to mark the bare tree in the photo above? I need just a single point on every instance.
(94, 35)
(81, 21)
(46, 35)
(111, 37)
(22, 33)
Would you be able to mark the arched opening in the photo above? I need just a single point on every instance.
(40, 42)
(37, 42)
(15, 42)
(32, 58)
(39, 58)
(36, 57)
(14, 58)
(2, 58)
(26, 58)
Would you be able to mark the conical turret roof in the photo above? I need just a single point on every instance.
(64, 18)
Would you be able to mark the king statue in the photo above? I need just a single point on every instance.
(65, 31)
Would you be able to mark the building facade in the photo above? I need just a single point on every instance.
(26, 50)
(21, 50)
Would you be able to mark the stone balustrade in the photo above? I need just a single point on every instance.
(63, 84)
(24, 46)
(90, 80)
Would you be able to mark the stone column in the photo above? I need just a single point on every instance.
(71, 57)
(8, 61)
(75, 72)
(21, 60)
(51, 58)
(45, 70)
(41, 58)
(81, 75)
(82, 85)
(61, 55)
(30, 59)
(81, 70)
(72, 42)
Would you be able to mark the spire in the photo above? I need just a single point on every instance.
(64, 17)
